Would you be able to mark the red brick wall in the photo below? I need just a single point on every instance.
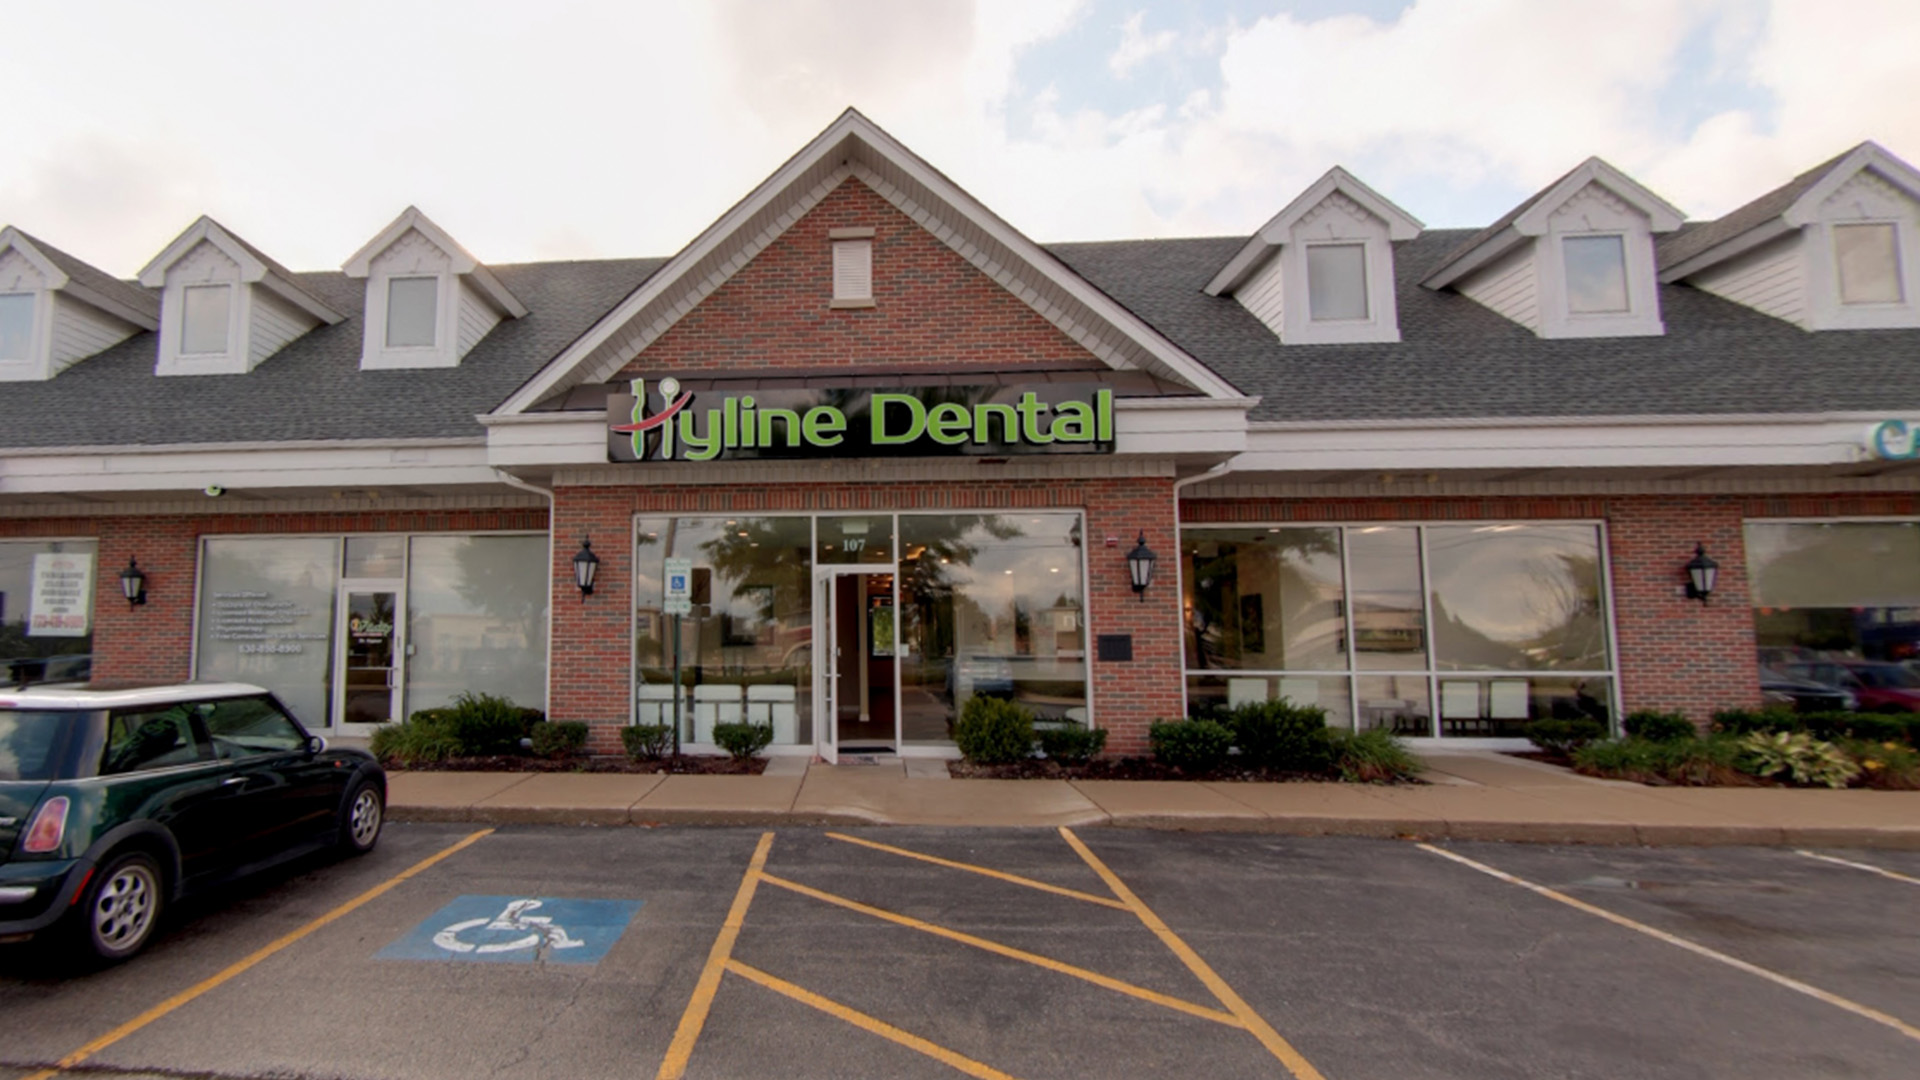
(155, 641)
(592, 659)
(931, 307)
(1673, 653)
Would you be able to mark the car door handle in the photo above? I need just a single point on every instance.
(232, 780)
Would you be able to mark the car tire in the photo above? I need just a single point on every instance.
(121, 907)
(362, 818)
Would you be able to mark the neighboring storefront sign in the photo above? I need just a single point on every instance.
(667, 424)
(1894, 440)
(61, 596)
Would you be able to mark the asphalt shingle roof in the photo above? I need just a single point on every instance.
(314, 388)
(99, 281)
(1700, 237)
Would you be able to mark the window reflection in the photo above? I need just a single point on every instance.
(476, 619)
(1517, 598)
(1831, 599)
(1389, 623)
(27, 655)
(1265, 599)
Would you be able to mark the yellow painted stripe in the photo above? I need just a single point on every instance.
(1277, 1046)
(236, 968)
(1010, 952)
(1774, 977)
(868, 1023)
(695, 1017)
(987, 871)
(1868, 867)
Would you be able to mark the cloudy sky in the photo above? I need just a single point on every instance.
(576, 129)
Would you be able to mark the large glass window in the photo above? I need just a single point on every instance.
(991, 604)
(1336, 281)
(46, 610)
(1868, 258)
(1596, 274)
(16, 325)
(476, 619)
(1380, 624)
(1837, 605)
(266, 617)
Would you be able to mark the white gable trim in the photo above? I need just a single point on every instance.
(1400, 225)
(730, 242)
(1806, 209)
(12, 239)
(464, 264)
(253, 270)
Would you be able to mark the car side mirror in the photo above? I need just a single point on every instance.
(315, 744)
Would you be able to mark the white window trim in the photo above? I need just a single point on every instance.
(33, 367)
(851, 240)
(1557, 317)
(1869, 314)
(1366, 281)
(377, 355)
(1382, 323)
(174, 360)
(386, 323)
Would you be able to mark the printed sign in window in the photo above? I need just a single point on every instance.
(62, 601)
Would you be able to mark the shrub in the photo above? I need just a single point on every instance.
(1798, 757)
(994, 731)
(1282, 735)
(1659, 726)
(1372, 756)
(563, 739)
(1073, 745)
(1888, 764)
(485, 724)
(1867, 727)
(421, 739)
(647, 742)
(1691, 762)
(1564, 736)
(1190, 745)
(1747, 721)
(743, 740)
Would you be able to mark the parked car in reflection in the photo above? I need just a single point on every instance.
(1804, 695)
(988, 676)
(26, 670)
(116, 803)
(1876, 685)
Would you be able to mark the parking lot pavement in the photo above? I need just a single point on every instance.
(935, 952)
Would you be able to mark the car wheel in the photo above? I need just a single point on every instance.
(122, 906)
(365, 814)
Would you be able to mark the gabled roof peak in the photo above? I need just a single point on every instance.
(411, 219)
(256, 268)
(1400, 224)
(83, 281)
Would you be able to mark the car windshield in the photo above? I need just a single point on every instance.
(1888, 676)
(36, 744)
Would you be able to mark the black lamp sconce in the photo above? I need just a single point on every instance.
(133, 583)
(1702, 574)
(1140, 566)
(585, 565)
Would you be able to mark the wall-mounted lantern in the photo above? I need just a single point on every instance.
(1140, 566)
(1702, 574)
(585, 565)
(133, 583)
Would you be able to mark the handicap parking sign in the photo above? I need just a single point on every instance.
(517, 930)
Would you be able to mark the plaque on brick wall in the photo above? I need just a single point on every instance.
(1114, 647)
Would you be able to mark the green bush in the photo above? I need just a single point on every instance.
(1797, 756)
(1191, 745)
(743, 740)
(1890, 765)
(1692, 762)
(1659, 726)
(994, 731)
(1073, 745)
(422, 739)
(485, 724)
(1282, 735)
(1372, 756)
(1563, 736)
(647, 742)
(1747, 721)
(563, 739)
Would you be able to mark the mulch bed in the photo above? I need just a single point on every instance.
(1132, 768)
(686, 764)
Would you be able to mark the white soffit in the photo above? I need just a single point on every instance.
(1400, 225)
(360, 265)
(854, 147)
(255, 267)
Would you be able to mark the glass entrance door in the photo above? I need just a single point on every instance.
(854, 670)
(369, 656)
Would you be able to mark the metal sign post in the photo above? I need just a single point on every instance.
(677, 601)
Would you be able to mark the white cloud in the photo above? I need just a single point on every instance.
(1137, 47)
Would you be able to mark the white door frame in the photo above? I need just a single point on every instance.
(826, 661)
(336, 708)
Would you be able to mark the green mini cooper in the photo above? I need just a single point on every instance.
(113, 803)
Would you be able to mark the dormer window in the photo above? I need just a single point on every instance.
(1336, 282)
(413, 309)
(1868, 260)
(1596, 274)
(16, 326)
(428, 301)
(205, 313)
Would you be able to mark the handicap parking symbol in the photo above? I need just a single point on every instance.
(517, 930)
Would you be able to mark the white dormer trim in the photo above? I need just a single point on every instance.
(71, 319)
(1519, 268)
(1400, 225)
(266, 308)
(469, 300)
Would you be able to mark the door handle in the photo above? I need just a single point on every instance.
(232, 780)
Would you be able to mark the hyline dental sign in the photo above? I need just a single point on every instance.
(671, 424)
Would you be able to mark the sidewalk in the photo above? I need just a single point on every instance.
(1469, 796)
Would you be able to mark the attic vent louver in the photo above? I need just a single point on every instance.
(852, 267)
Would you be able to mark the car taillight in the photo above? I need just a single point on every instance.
(49, 827)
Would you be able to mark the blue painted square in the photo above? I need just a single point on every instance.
(517, 930)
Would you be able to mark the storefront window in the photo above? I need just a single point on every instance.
(745, 650)
(1837, 605)
(266, 618)
(476, 619)
(991, 604)
(46, 610)
(1505, 601)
